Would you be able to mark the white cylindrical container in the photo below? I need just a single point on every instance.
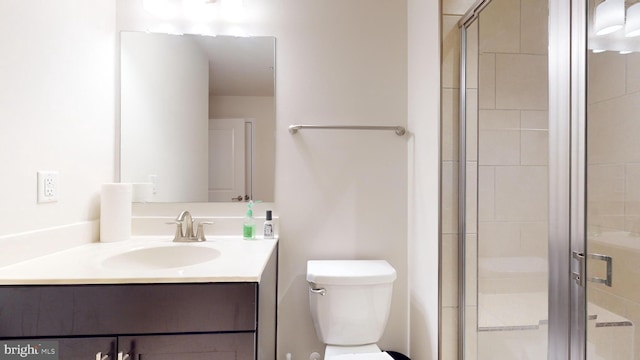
(115, 212)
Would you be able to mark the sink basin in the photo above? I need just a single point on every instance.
(161, 257)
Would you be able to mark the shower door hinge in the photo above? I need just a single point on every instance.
(580, 277)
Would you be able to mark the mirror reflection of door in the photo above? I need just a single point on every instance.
(227, 165)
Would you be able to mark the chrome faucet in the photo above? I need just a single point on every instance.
(188, 235)
(186, 217)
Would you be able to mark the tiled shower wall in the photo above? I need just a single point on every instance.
(512, 144)
(512, 156)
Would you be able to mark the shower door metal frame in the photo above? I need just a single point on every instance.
(567, 176)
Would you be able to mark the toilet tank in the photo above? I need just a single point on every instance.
(350, 299)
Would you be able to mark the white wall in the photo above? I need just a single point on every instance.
(165, 115)
(424, 174)
(56, 109)
(262, 110)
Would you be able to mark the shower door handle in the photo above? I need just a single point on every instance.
(609, 260)
(580, 277)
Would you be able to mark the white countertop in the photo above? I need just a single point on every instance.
(239, 261)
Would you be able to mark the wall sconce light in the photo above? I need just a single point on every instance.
(163, 9)
(608, 17)
(197, 10)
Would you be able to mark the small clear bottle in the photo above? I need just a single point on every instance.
(268, 226)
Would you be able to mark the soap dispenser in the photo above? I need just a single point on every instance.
(249, 223)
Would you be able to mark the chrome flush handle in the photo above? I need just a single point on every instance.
(317, 291)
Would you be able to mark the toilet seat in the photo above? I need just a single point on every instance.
(362, 352)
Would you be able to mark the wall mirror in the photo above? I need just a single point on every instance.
(197, 117)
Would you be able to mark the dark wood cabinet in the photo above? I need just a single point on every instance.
(86, 348)
(217, 346)
(145, 321)
(229, 346)
(182, 321)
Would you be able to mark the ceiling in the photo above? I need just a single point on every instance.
(239, 66)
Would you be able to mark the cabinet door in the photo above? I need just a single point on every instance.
(88, 348)
(229, 346)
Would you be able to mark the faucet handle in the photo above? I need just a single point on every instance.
(179, 235)
(200, 233)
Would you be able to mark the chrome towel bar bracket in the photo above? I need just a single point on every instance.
(399, 130)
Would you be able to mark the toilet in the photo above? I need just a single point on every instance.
(350, 302)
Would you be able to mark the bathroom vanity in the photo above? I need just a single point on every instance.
(203, 311)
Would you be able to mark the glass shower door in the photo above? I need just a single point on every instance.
(504, 181)
(612, 252)
(582, 198)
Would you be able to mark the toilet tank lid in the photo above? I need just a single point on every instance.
(350, 272)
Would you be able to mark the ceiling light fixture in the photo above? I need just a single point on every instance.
(608, 17)
(632, 25)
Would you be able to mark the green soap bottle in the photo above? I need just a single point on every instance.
(249, 224)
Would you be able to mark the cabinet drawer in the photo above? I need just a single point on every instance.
(234, 346)
(70, 310)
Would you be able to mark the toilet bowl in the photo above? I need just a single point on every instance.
(350, 302)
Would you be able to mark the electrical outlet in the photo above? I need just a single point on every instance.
(48, 186)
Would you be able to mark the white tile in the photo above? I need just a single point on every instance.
(486, 193)
(471, 199)
(521, 193)
(633, 72)
(535, 20)
(534, 147)
(472, 53)
(534, 120)
(449, 197)
(499, 147)
(498, 239)
(632, 190)
(521, 82)
(450, 120)
(500, 27)
(471, 267)
(487, 81)
(472, 125)
(449, 333)
(450, 52)
(606, 76)
(449, 270)
(499, 140)
(608, 133)
(534, 239)
(499, 120)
